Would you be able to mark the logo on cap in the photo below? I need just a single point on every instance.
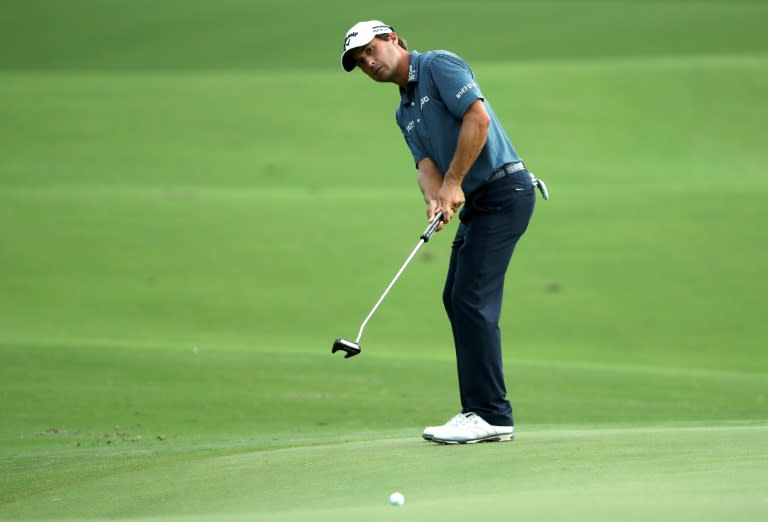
(348, 38)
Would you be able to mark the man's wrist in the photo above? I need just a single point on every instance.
(452, 177)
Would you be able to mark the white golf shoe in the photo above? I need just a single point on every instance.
(468, 428)
(429, 431)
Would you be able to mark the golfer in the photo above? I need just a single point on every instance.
(467, 168)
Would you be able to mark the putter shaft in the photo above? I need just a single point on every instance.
(391, 284)
(423, 239)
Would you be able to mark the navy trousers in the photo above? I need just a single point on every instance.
(493, 218)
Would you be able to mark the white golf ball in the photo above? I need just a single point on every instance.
(397, 499)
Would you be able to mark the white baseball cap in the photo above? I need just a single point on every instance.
(359, 35)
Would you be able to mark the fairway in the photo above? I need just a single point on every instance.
(193, 206)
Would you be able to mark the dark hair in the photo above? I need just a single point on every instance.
(400, 41)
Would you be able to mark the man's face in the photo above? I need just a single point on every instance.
(379, 58)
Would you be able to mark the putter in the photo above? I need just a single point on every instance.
(539, 184)
(353, 348)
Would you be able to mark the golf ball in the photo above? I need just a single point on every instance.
(397, 499)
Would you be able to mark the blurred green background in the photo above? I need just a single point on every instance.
(195, 201)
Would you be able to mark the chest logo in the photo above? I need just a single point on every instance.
(424, 100)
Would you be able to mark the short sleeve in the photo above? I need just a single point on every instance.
(455, 82)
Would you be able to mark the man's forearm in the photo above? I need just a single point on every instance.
(472, 137)
(430, 179)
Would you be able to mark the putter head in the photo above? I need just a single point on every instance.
(539, 184)
(351, 348)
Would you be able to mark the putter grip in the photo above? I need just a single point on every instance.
(432, 227)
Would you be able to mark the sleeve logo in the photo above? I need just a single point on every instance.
(464, 90)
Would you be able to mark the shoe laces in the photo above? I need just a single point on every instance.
(467, 418)
(456, 420)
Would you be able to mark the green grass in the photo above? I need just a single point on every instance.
(188, 218)
(606, 474)
(245, 35)
(346, 436)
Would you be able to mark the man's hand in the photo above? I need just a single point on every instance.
(432, 210)
(449, 199)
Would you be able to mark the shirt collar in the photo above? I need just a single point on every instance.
(413, 76)
(413, 67)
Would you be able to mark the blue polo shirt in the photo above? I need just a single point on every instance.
(441, 87)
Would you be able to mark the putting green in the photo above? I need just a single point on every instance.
(604, 473)
(237, 434)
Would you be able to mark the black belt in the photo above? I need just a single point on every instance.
(505, 170)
